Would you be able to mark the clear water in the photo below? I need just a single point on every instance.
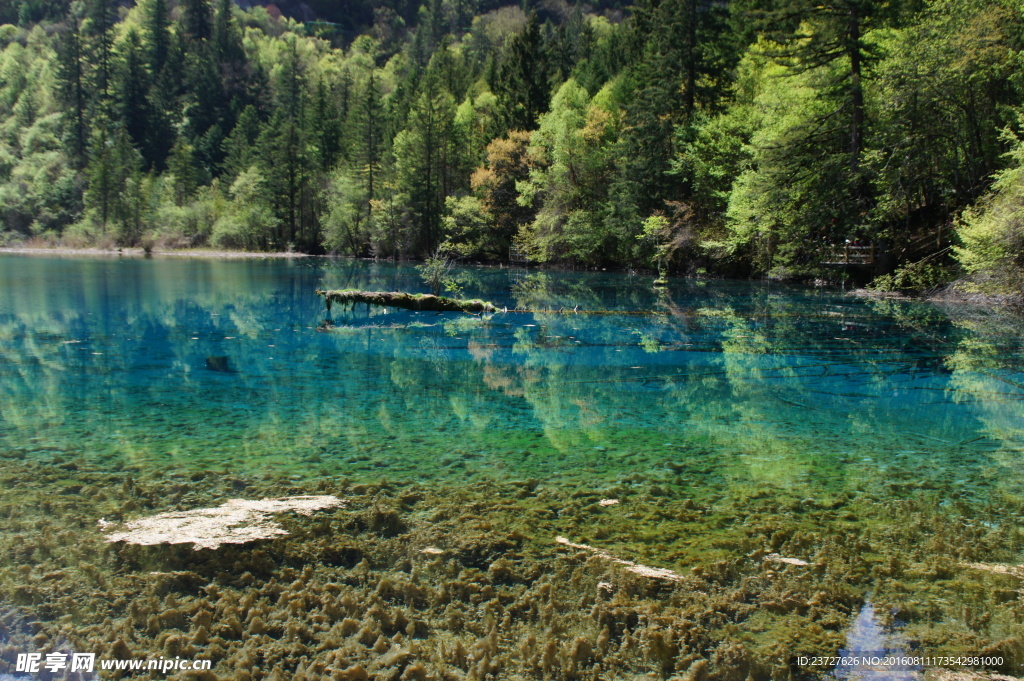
(714, 410)
(718, 384)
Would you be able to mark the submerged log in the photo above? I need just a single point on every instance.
(424, 302)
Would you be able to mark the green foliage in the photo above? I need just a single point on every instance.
(428, 156)
(249, 222)
(571, 169)
(923, 275)
(392, 225)
(777, 198)
(508, 164)
(466, 225)
(959, 60)
(347, 214)
(992, 232)
(667, 235)
(521, 79)
(436, 272)
(756, 133)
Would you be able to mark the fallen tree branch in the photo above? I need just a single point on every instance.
(637, 568)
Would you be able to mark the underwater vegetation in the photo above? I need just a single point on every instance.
(467, 581)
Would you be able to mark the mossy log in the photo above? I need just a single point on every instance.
(424, 302)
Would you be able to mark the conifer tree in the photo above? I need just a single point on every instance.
(162, 102)
(521, 80)
(101, 17)
(113, 164)
(326, 123)
(184, 170)
(828, 31)
(133, 86)
(226, 38)
(426, 159)
(195, 19)
(157, 27)
(240, 147)
(72, 90)
(368, 136)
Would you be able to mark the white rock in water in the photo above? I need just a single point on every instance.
(776, 558)
(236, 521)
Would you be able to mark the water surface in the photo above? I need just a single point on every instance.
(724, 383)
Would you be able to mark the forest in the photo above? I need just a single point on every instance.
(691, 137)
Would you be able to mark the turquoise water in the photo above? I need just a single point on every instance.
(710, 384)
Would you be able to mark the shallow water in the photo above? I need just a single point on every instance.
(732, 419)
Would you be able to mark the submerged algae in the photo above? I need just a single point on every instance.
(445, 581)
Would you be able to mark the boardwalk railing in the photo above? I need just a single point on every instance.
(848, 254)
(517, 256)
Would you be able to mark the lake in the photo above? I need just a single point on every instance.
(794, 458)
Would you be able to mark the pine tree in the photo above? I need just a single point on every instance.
(326, 124)
(196, 20)
(521, 80)
(129, 205)
(239, 148)
(162, 101)
(114, 164)
(206, 104)
(101, 17)
(680, 60)
(826, 32)
(226, 38)
(183, 167)
(133, 86)
(285, 163)
(368, 136)
(101, 174)
(72, 91)
(157, 23)
(426, 160)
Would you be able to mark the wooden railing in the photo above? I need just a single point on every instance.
(848, 254)
(517, 256)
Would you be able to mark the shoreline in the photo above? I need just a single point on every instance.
(139, 252)
(944, 295)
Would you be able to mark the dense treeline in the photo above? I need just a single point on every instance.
(751, 136)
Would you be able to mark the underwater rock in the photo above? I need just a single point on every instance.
(776, 558)
(236, 521)
(219, 363)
